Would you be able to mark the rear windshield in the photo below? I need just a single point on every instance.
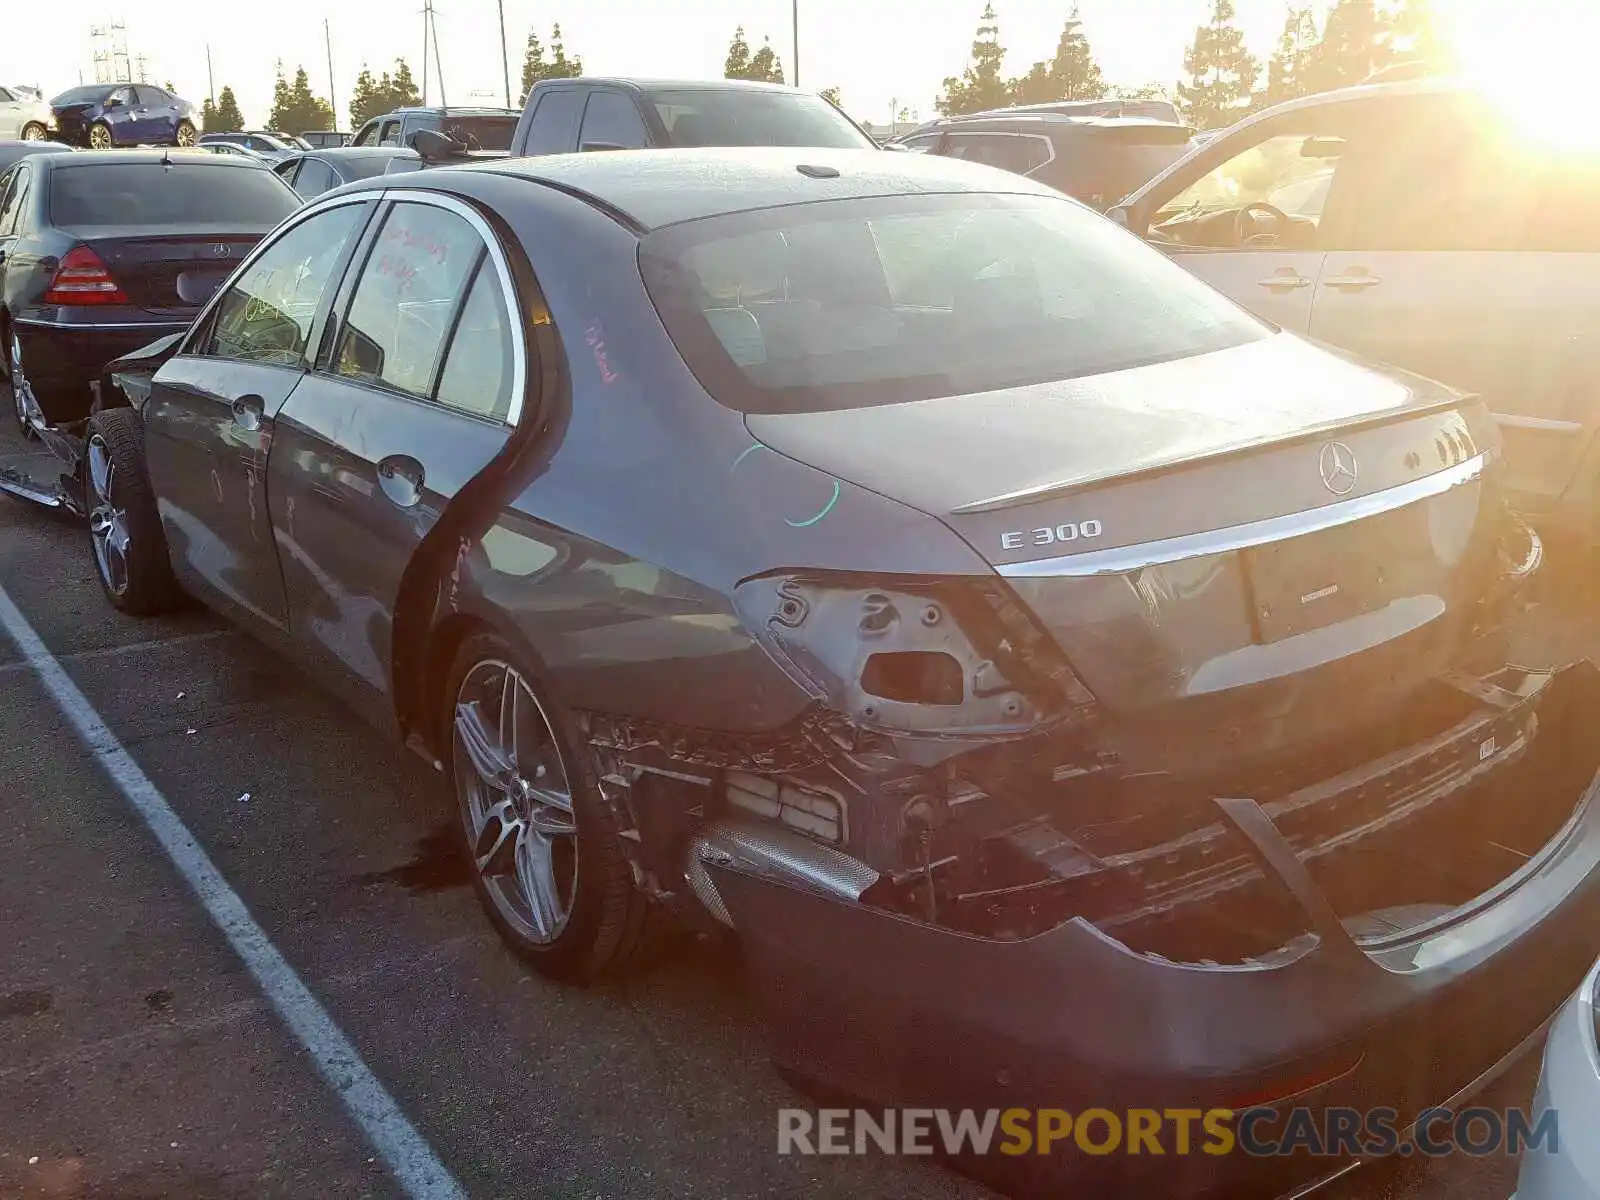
(148, 193)
(740, 117)
(365, 166)
(850, 303)
(80, 95)
(480, 133)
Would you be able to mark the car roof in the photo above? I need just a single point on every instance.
(113, 158)
(653, 188)
(1435, 85)
(453, 110)
(357, 152)
(645, 84)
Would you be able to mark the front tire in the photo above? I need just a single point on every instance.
(125, 534)
(100, 136)
(34, 132)
(185, 133)
(546, 858)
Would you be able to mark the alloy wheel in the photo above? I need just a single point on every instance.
(108, 524)
(516, 801)
(99, 137)
(33, 132)
(185, 134)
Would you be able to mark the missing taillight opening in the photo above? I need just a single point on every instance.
(83, 278)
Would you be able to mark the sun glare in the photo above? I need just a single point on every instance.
(1535, 60)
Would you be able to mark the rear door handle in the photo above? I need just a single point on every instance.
(1354, 281)
(401, 478)
(1285, 279)
(247, 412)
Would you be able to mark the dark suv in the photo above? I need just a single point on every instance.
(1097, 160)
(473, 128)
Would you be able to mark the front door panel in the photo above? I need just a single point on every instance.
(1277, 285)
(209, 425)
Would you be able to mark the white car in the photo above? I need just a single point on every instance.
(24, 115)
(1569, 1084)
(1418, 224)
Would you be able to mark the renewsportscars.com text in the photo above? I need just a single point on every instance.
(1258, 1132)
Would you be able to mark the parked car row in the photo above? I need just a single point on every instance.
(880, 557)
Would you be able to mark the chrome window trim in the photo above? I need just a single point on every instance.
(1120, 559)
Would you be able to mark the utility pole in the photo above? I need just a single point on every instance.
(333, 97)
(427, 14)
(505, 55)
(211, 80)
(437, 60)
(794, 13)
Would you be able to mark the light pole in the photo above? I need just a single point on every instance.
(505, 55)
(794, 14)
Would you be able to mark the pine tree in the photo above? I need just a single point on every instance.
(1353, 46)
(737, 65)
(831, 95)
(562, 67)
(1076, 74)
(765, 65)
(403, 91)
(208, 117)
(229, 118)
(980, 86)
(294, 108)
(1287, 69)
(533, 65)
(367, 100)
(1222, 73)
(1413, 34)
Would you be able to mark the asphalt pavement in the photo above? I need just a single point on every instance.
(140, 1059)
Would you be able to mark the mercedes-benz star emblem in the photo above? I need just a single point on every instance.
(220, 249)
(1337, 462)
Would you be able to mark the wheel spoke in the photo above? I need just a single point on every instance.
(510, 686)
(487, 756)
(536, 873)
(100, 469)
(498, 840)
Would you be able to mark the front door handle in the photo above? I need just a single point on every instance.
(1355, 280)
(1284, 279)
(401, 478)
(247, 412)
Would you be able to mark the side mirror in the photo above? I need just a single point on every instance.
(1119, 214)
(589, 147)
(433, 145)
(112, 102)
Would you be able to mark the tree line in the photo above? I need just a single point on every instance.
(1222, 80)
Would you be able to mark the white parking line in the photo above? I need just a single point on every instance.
(407, 1154)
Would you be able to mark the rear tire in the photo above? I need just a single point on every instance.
(589, 919)
(100, 136)
(125, 534)
(34, 132)
(185, 133)
(21, 390)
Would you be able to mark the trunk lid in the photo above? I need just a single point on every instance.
(1231, 547)
(165, 272)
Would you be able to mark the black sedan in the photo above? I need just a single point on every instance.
(891, 560)
(319, 171)
(11, 152)
(100, 253)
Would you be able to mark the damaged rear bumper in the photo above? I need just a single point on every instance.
(1351, 1012)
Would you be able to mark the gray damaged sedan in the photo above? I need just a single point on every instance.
(1070, 689)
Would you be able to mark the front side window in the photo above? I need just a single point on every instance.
(13, 191)
(315, 177)
(391, 134)
(122, 96)
(611, 122)
(266, 316)
(368, 135)
(5, 96)
(555, 121)
(414, 278)
(850, 303)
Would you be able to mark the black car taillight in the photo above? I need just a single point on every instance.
(82, 278)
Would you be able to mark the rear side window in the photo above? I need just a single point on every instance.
(481, 133)
(1017, 153)
(13, 191)
(148, 193)
(266, 316)
(391, 134)
(555, 122)
(414, 278)
(849, 303)
(315, 177)
(611, 122)
(478, 369)
(739, 117)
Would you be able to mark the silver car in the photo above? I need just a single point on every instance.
(1569, 1083)
(24, 115)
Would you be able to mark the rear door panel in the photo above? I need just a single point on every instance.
(1276, 285)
